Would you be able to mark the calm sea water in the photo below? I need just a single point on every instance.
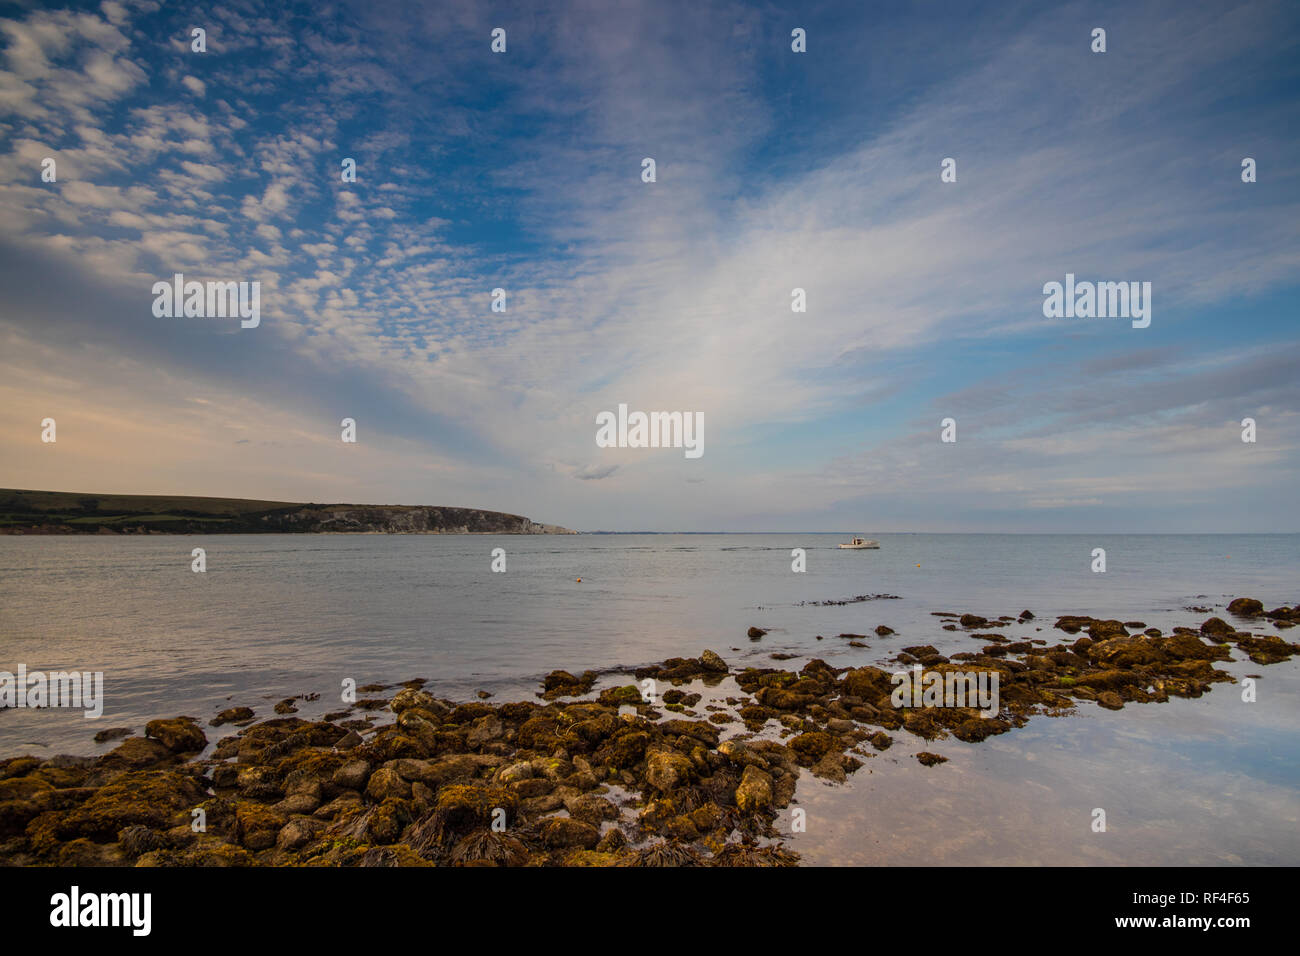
(1213, 780)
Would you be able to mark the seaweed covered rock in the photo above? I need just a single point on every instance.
(868, 683)
(1246, 607)
(754, 793)
(563, 684)
(564, 832)
(460, 809)
(813, 745)
(280, 736)
(668, 769)
(529, 783)
(231, 715)
(137, 753)
(1269, 649)
(627, 694)
(1126, 651)
(411, 697)
(711, 662)
(156, 799)
(387, 782)
(179, 735)
(486, 846)
(1217, 627)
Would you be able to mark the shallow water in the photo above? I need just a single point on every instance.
(1200, 781)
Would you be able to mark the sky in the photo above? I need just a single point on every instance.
(522, 170)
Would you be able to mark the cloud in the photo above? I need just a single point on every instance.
(595, 472)
(924, 297)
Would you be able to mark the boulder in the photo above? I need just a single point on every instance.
(485, 730)
(755, 790)
(565, 832)
(352, 775)
(136, 753)
(179, 735)
(710, 661)
(1246, 607)
(409, 698)
(813, 745)
(387, 782)
(349, 740)
(591, 808)
(667, 769)
(1126, 652)
(700, 730)
(1217, 627)
(231, 715)
(298, 832)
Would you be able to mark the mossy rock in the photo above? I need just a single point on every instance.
(138, 753)
(814, 745)
(565, 832)
(23, 788)
(1246, 607)
(156, 799)
(18, 766)
(625, 750)
(258, 824)
(616, 696)
(755, 792)
(179, 734)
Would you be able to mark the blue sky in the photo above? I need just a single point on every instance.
(775, 170)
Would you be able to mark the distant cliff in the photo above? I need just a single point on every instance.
(60, 512)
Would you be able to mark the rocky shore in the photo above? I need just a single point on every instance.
(705, 774)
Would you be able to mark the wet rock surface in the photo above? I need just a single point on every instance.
(580, 777)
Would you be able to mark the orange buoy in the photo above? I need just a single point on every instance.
(579, 580)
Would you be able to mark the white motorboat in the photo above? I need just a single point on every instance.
(858, 544)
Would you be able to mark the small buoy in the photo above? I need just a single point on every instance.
(918, 565)
(579, 580)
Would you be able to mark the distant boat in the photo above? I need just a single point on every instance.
(857, 544)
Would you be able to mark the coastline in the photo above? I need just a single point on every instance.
(30, 512)
(55, 531)
(583, 776)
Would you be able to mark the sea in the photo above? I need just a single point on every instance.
(1207, 781)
